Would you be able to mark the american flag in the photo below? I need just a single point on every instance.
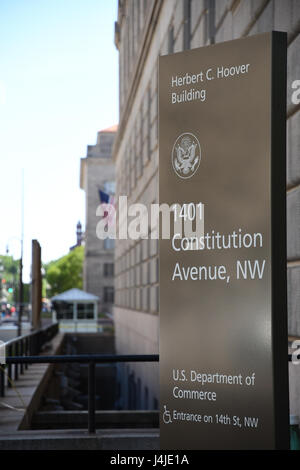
(106, 198)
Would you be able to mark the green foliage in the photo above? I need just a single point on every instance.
(26, 293)
(44, 287)
(66, 272)
(10, 270)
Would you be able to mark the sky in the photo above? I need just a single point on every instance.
(58, 88)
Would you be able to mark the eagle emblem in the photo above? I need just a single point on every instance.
(186, 155)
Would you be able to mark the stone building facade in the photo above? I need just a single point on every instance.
(143, 31)
(97, 172)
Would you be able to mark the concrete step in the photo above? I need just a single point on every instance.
(105, 439)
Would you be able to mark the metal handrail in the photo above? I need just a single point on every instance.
(91, 360)
(25, 345)
(82, 358)
(30, 334)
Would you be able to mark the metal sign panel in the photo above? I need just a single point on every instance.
(223, 334)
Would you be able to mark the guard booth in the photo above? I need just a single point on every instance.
(75, 310)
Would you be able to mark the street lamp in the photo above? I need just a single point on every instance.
(21, 296)
(21, 258)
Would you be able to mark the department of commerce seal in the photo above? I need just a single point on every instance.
(186, 155)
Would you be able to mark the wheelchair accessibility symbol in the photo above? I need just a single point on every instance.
(166, 416)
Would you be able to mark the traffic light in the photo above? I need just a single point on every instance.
(10, 290)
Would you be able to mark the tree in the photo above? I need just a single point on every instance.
(66, 272)
(9, 278)
(10, 267)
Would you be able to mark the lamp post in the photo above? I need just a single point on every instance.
(21, 290)
(21, 258)
(21, 296)
(1, 271)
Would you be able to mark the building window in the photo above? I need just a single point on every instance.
(149, 122)
(128, 51)
(210, 7)
(136, 152)
(133, 43)
(145, 7)
(108, 296)
(64, 311)
(85, 311)
(171, 40)
(108, 244)
(132, 163)
(138, 14)
(187, 24)
(140, 143)
(108, 269)
(110, 187)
